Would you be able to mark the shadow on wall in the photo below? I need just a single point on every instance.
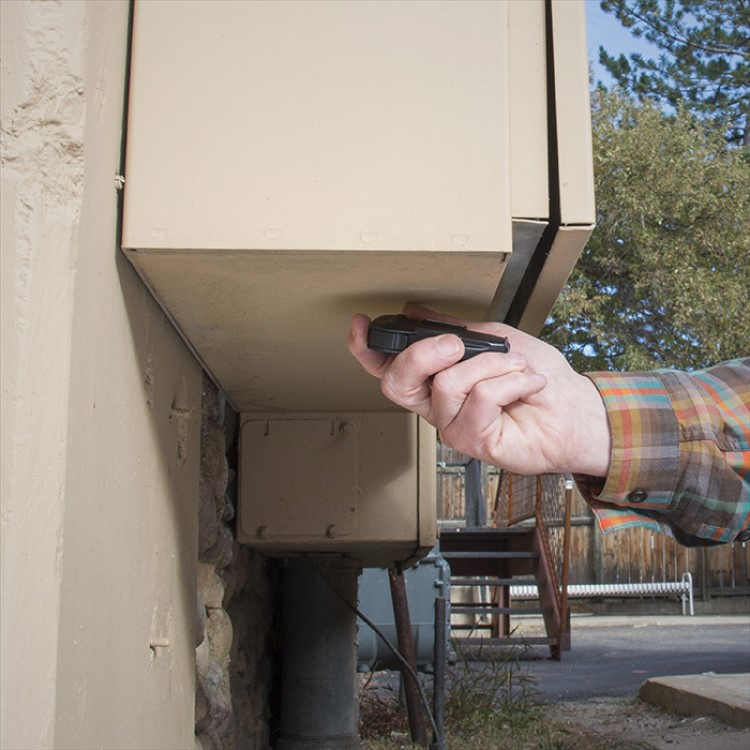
(225, 585)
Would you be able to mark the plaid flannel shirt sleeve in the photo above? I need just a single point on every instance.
(680, 457)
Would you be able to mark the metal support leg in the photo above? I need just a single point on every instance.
(439, 676)
(406, 646)
(318, 671)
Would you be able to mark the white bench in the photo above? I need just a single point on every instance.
(683, 587)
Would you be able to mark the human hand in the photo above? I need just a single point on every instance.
(526, 411)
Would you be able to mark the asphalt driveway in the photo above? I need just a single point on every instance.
(612, 656)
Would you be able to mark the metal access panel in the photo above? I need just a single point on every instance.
(356, 484)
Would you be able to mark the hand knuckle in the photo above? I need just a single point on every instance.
(442, 384)
(388, 387)
(483, 391)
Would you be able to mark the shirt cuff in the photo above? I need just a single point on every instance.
(645, 454)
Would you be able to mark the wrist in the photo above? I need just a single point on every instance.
(592, 441)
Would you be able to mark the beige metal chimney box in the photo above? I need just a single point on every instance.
(291, 163)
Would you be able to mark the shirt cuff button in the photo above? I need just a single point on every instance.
(637, 496)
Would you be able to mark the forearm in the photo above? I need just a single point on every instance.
(680, 457)
(665, 449)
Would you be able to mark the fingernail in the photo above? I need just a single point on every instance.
(515, 359)
(448, 346)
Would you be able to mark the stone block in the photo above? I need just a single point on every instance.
(210, 585)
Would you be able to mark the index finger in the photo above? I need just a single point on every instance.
(407, 381)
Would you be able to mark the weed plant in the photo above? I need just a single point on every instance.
(491, 700)
(490, 690)
(492, 704)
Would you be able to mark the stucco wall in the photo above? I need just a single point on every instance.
(100, 414)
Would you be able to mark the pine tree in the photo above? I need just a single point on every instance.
(704, 60)
(663, 281)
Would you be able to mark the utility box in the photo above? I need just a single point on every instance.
(424, 582)
(360, 485)
(291, 163)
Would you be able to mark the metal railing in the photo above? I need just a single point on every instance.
(683, 587)
(545, 500)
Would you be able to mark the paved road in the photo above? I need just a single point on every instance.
(612, 656)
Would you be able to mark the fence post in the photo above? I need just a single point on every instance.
(510, 500)
(476, 515)
(564, 612)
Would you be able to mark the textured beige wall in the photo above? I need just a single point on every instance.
(100, 414)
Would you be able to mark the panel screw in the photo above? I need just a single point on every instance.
(262, 532)
(331, 531)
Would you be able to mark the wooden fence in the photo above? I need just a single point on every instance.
(638, 555)
(635, 555)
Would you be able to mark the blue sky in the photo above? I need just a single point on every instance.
(605, 30)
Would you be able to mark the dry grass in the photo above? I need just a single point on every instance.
(491, 705)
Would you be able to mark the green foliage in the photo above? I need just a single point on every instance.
(704, 61)
(664, 279)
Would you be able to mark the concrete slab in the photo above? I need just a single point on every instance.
(533, 624)
(727, 697)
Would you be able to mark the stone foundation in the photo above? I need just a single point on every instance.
(233, 609)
